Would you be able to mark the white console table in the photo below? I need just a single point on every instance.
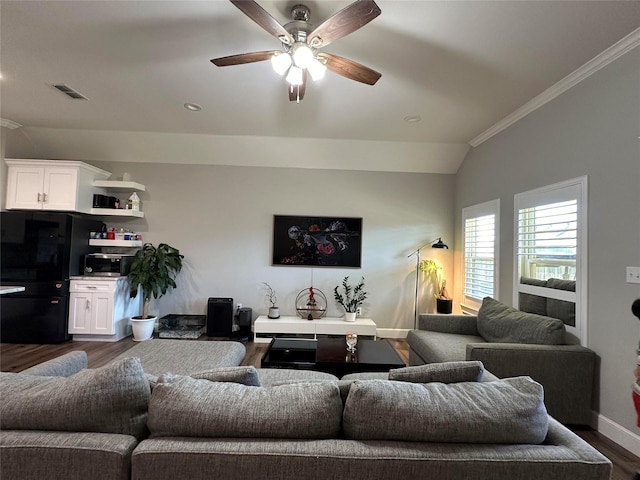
(300, 326)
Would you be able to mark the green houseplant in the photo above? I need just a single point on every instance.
(153, 272)
(444, 303)
(351, 298)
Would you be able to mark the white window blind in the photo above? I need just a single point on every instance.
(480, 224)
(548, 240)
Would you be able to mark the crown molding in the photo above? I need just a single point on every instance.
(592, 66)
(10, 124)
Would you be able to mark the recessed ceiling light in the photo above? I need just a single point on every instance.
(412, 118)
(194, 107)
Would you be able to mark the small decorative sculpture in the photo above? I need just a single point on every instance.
(311, 303)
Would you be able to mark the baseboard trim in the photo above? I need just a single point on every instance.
(393, 332)
(620, 435)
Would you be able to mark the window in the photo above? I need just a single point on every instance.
(480, 224)
(550, 253)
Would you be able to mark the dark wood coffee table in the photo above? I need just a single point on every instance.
(330, 355)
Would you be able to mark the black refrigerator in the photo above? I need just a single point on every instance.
(40, 251)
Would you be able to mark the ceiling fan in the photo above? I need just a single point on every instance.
(299, 56)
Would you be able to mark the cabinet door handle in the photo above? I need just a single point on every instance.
(44, 197)
(88, 304)
(39, 197)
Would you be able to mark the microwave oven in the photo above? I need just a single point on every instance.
(107, 264)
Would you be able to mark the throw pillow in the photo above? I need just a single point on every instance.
(200, 408)
(447, 372)
(509, 411)
(500, 323)
(243, 375)
(111, 399)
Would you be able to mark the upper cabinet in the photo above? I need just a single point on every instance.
(51, 185)
(63, 185)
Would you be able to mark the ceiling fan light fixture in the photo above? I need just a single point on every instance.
(316, 69)
(281, 62)
(302, 55)
(294, 77)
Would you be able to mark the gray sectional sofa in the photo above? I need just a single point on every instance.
(61, 420)
(510, 343)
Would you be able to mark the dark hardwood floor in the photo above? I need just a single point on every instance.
(17, 357)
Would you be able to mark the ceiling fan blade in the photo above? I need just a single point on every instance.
(350, 69)
(296, 92)
(244, 58)
(259, 15)
(346, 21)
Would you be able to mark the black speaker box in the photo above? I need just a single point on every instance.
(220, 317)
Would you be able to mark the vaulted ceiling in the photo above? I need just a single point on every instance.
(460, 66)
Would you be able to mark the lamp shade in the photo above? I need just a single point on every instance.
(440, 244)
(316, 69)
(281, 62)
(294, 77)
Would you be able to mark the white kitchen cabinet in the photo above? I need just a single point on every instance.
(100, 308)
(51, 185)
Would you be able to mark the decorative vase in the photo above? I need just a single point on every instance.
(143, 328)
(350, 316)
(444, 305)
(274, 312)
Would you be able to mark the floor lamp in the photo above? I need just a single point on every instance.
(438, 244)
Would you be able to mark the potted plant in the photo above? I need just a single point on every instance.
(153, 272)
(352, 299)
(444, 303)
(274, 312)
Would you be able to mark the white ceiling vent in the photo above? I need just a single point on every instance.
(68, 91)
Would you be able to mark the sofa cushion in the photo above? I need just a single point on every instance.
(111, 399)
(565, 311)
(504, 411)
(62, 366)
(500, 323)
(200, 408)
(246, 375)
(532, 303)
(448, 372)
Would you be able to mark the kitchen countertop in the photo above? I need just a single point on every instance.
(10, 289)
(95, 278)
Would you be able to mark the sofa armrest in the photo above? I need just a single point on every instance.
(62, 366)
(460, 324)
(565, 371)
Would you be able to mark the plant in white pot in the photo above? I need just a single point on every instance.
(274, 311)
(444, 303)
(153, 272)
(351, 298)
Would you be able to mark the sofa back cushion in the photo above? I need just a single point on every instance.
(201, 408)
(500, 323)
(447, 372)
(111, 399)
(565, 311)
(532, 303)
(504, 411)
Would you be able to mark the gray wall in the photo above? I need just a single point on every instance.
(221, 219)
(591, 130)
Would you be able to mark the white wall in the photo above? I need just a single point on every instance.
(221, 219)
(590, 130)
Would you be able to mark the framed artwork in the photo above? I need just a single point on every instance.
(317, 241)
